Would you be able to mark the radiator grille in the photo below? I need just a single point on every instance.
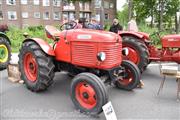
(113, 54)
(84, 53)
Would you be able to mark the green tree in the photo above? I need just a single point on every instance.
(171, 8)
(145, 9)
(123, 15)
(161, 11)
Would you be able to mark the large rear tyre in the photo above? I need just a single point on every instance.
(131, 76)
(36, 67)
(137, 52)
(88, 93)
(5, 53)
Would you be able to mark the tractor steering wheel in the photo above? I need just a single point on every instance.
(68, 25)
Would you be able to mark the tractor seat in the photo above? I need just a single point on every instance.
(52, 32)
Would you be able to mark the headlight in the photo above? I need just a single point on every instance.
(125, 51)
(101, 56)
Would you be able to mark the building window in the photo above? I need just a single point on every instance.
(1, 15)
(36, 2)
(98, 3)
(24, 14)
(81, 5)
(111, 5)
(11, 2)
(65, 15)
(87, 6)
(68, 5)
(81, 15)
(46, 3)
(87, 16)
(37, 15)
(84, 6)
(69, 15)
(56, 15)
(24, 2)
(106, 4)
(84, 15)
(106, 16)
(98, 17)
(57, 2)
(46, 16)
(12, 15)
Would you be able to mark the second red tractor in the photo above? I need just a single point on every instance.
(141, 51)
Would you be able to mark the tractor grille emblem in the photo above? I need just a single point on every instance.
(84, 37)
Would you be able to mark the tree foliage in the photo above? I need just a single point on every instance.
(159, 10)
(123, 15)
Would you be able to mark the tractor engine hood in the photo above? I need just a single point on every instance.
(171, 41)
(171, 37)
(88, 35)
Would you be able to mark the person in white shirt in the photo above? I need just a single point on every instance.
(132, 25)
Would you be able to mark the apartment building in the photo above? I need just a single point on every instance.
(24, 13)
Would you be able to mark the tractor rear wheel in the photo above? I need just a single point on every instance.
(131, 76)
(88, 93)
(36, 67)
(5, 53)
(137, 52)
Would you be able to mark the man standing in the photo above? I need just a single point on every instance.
(115, 26)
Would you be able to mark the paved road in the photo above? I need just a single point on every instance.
(18, 103)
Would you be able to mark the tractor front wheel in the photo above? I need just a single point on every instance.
(36, 67)
(131, 76)
(5, 53)
(88, 93)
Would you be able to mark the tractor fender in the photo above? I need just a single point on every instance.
(5, 36)
(130, 33)
(43, 44)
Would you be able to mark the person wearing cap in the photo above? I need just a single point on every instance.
(115, 27)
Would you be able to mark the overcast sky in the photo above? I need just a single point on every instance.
(120, 3)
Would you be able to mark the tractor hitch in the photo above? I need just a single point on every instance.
(116, 73)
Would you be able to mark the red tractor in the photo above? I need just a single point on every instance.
(91, 55)
(141, 51)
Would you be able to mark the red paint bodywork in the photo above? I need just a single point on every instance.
(139, 35)
(85, 50)
(145, 35)
(170, 49)
(80, 47)
(44, 45)
(171, 41)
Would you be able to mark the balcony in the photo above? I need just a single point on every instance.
(84, 6)
(68, 6)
